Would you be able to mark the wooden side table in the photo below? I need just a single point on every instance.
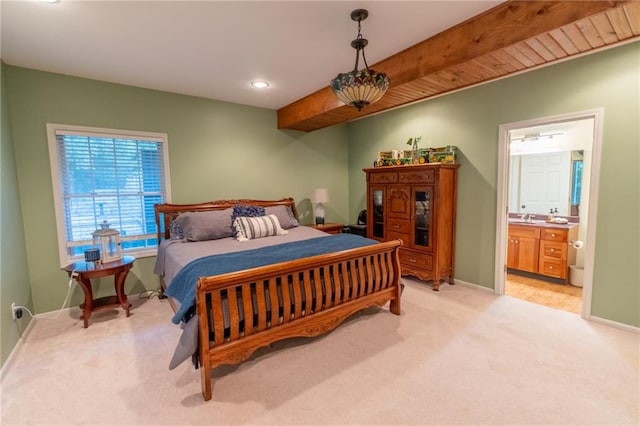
(85, 271)
(329, 228)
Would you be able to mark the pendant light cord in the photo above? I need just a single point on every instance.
(359, 43)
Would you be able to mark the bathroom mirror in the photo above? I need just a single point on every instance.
(549, 169)
(541, 183)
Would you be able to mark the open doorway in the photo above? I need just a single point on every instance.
(548, 170)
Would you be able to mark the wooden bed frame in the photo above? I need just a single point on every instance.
(348, 281)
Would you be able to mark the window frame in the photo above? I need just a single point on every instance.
(52, 130)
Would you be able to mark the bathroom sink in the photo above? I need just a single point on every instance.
(527, 222)
(544, 223)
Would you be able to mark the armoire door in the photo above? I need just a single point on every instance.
(376, 221)
(399, 202)
(422, 217)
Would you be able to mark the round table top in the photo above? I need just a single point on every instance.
(82, 266)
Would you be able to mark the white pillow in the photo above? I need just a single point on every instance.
(249, 228)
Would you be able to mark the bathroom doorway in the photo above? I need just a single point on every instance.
(549, 169)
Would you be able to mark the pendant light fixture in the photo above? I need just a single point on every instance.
(359, 88)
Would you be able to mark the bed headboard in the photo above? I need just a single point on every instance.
(165, 213)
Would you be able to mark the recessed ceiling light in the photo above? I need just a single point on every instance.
(260, 84)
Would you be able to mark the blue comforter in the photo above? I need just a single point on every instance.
(183, 286)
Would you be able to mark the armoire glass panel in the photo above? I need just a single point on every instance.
(378, 213)
(422, 214)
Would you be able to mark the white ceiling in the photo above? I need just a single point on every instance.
(213, 49)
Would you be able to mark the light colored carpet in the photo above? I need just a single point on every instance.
(460, 356)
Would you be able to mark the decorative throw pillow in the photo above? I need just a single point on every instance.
(248, 228)
(285, 216)
(206, 225)
(175, 231)
(245, 210)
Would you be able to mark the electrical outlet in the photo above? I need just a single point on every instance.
(16, 311)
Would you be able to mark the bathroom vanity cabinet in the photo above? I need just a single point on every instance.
(416, 204)
(523, 248)
(542, 248)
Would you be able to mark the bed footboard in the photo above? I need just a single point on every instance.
(304, 297)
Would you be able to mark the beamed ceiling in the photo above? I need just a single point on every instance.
(514, 37)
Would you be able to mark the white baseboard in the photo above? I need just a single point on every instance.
(16, 349)
(615, 324)
(472, 285)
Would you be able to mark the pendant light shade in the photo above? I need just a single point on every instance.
(359, 88)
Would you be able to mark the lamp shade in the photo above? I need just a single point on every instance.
(320, 195)
(360, 88)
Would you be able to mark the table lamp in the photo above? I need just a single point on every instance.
(319, 197)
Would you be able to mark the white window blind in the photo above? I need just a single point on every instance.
(98, 176)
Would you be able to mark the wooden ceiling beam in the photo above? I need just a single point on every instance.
(506, 25)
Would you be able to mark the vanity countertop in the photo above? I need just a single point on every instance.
(541, 223)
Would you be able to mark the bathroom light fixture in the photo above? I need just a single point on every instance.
(359, 88)
(536, 137)
(259, 84)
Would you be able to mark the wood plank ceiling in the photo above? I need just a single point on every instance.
(514, 37)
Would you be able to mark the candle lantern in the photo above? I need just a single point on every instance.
(108, 241)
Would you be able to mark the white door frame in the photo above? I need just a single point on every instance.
(503, 197)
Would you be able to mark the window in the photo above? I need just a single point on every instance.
(112, 175)
(576, 182)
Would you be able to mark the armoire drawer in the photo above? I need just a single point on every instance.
(388, 177)
(428, 176)
(398, 225)
(398, 236)
(416, 260)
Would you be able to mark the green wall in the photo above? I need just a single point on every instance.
(222, 150)
(14, 274)
(217, 150)
(470, 119)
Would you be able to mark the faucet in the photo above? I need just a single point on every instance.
(528, 217)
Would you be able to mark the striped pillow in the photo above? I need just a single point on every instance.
(248, 228)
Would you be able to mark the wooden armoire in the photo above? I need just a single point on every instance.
(416, 204)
